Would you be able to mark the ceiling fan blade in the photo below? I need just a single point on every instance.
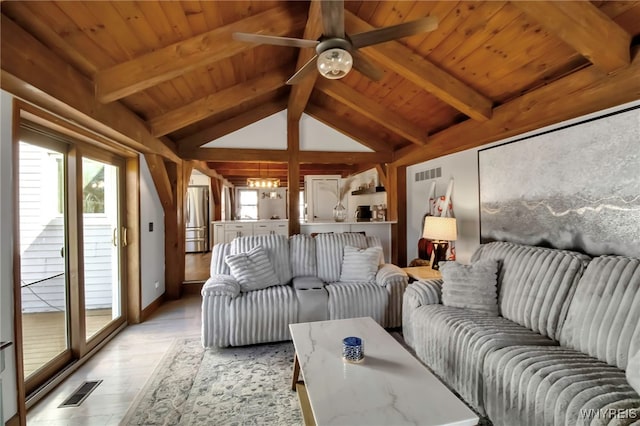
(366, 67)
(333, 18)
(274, 40)
(393, 32)
(304, 71)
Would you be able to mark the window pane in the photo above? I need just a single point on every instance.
(93, 186)
(43, 277)
(248, 197)
(248, 212)
(101, 236)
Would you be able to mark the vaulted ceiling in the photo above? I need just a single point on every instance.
(174, 71)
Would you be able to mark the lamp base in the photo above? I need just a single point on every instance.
(438, 254)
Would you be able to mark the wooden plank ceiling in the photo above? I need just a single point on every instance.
(175, 66)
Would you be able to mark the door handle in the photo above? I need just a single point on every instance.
(115, 237)
(62, 251)
(125, 240)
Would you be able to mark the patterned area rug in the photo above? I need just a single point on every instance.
(231, 386)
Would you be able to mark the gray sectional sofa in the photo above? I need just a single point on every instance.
(311, 283)
(558, 351)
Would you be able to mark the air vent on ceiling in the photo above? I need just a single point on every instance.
(80, 394)
(429, 174)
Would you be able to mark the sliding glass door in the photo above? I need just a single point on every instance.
(44, 274)
(103, 237)
(72, 241)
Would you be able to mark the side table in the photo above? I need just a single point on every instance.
(417, 273)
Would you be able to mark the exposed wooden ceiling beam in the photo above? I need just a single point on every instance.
(372, 110)
(584, 27)
(400, 59)
(179, 58)
(577, 94)
(231, 125)
(300, 93)
(27, 73)
(218, 102)
(325, 157)
(257, 167)
(232, 154)
(203, 168)
(160, 178)
(281, 156)
(347, 128)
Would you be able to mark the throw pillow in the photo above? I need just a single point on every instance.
(470, 286)
(252, 269)
(360, 265)
(633, 372)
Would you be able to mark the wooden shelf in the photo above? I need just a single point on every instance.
(368, 190)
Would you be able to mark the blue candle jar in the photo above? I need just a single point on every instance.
(352, 349)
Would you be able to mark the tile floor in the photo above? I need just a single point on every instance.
(124, 364)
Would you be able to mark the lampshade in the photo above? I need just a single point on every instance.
(440, 228)
(334, 63)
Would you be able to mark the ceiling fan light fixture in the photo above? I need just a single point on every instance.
(335, 63)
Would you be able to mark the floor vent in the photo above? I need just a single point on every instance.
(80, 394)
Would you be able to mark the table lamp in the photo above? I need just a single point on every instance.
(440, 230)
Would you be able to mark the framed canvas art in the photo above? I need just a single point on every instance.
(575, 188)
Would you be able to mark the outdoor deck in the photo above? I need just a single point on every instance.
(44, 335)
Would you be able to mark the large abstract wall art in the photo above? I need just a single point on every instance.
(575, 188)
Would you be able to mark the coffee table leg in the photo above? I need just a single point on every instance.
(296, 371)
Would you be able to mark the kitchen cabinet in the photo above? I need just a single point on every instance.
(236, 229)
(262, 228)
(226, 231)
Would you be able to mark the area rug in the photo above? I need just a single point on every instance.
(230, 386)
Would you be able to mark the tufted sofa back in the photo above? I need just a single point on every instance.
(330, 251)
(302, 252)
(535, 284)
(277, 248)
(604, 316)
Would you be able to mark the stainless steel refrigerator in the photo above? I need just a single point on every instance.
(197, 219)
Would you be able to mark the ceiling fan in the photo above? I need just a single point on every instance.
(337, 52)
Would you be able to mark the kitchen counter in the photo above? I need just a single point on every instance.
(348, 222)
(251, 221)
(382, 230)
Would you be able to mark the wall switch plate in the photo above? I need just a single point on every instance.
(150, 226)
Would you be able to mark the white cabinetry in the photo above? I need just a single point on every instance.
(225, 232)
(262, 228)
(233, 230)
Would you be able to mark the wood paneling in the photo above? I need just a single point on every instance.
(376, 112)
(30, 62)
(218, 102)
(424, 74)
(179, 58)
(574, 23)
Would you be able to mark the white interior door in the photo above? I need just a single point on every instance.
(325, 197)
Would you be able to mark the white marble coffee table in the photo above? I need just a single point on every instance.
(390, 387)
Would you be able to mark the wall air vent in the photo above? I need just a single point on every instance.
(429, 174)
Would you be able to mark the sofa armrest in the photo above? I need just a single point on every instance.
(221, 285)
(389, 273)
(633, 372)
(425, 292)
